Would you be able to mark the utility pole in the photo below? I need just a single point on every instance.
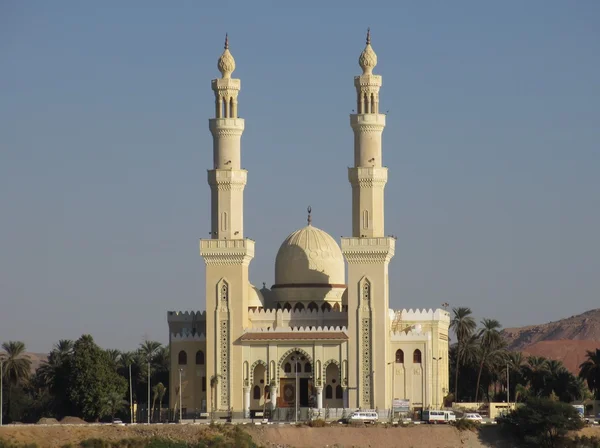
(297, 394)
(1, 386)
(391, 363)
(507, 386)
(180, 404)
(437, 381)
(130, 397)
(148, 407)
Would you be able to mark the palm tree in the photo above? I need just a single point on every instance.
(16, 366)
(113, 356)
(148, 350)
(112, 404)
(214, 381)
(64, 347)
(590, 371)
(463, 326)
(158, 393)
(162, 390)
(490, 344)
(536, 373)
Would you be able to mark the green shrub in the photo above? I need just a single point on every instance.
(542, 422)
(317, 423)
(585, 442)
(5, 444)
(463, 424)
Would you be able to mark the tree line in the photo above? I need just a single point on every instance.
(81, 379)
(480, 364)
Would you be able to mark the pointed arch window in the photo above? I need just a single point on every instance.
(365, 219)
(326, 307)
(287, 368)
(339, 392)
(417, 356)
(224, 295)
(256, 393)
(307, 368)
(399, 356)
(312, 306)
(299, 306)
(329, 391)
(199, 358)
(182, 358)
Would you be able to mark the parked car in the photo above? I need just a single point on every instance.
(117, 421)
(364, 416)
(473, 416)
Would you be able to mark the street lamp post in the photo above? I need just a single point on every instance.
(437, 381)
(180, 403)
(296, 371)
(1, 386)
(507, 386)
(391, 363)
(148, 407)
(130, 397)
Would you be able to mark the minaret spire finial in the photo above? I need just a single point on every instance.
(227, 41)
(309, 210)
(368, 36)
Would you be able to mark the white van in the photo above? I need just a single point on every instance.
(364, 416)
(438, 416)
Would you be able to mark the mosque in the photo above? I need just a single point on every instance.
(322, 336)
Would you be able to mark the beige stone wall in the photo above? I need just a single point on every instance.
(192, 394)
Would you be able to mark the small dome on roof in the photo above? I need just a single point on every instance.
(226, 64)
(255, 297)
(368, 58)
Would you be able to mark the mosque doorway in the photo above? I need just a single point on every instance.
(296, 382)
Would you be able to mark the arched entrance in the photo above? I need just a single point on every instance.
(296, 380)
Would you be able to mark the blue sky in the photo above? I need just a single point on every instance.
(492, 144)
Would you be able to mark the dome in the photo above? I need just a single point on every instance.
(255, 297)
(226, 64)
(309, 257)
(368, 58)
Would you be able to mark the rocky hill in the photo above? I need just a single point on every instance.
(566, 340)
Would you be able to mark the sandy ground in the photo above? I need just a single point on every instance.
(271, 436)
(414, 437)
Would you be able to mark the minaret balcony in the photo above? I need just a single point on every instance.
(359, 120)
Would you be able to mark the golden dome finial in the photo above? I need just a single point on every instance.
(226, 64)
(309, 210)
(368, 58)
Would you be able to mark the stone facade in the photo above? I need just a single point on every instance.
(321, 336)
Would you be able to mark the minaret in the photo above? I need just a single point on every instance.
(227, 253)
(368, 252)
(368, 177)
(227, 180)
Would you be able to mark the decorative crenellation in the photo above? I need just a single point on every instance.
(185, 316)
(227, 179)
(366, 81)
(411, 335)
(420, 315)
(305, 313)
(188, 337)
(300, 329)
(227, 252)
(368, 177)
(368, 250)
